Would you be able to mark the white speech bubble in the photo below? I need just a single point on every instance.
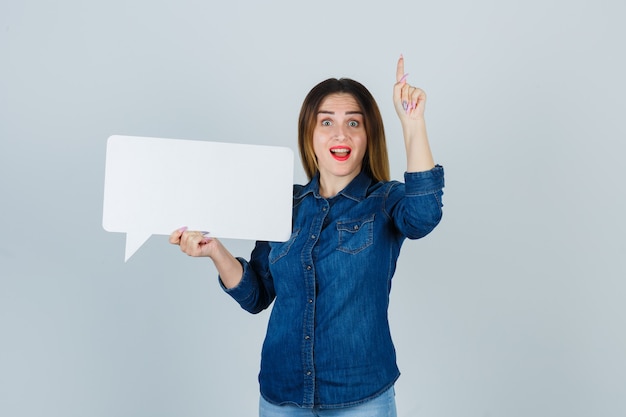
(153, 186)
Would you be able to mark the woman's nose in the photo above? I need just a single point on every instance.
(340, 132)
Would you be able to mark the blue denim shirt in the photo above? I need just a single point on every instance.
(328, 342)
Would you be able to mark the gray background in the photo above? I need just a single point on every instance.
(514, 306)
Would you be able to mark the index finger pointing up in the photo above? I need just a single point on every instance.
(400, 69)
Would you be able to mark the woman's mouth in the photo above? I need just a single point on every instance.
(340, 153)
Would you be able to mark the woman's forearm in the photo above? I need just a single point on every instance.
(228, 267)
(418, 154)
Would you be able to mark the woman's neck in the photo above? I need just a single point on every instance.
(330, 186)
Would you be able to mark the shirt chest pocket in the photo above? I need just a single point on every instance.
(355, 235)
(280, 249)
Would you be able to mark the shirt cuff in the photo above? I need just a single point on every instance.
(424, 182)
(244, 289)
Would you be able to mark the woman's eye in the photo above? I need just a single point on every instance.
(327, 123)
(353, 123)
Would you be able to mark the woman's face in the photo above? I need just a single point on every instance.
(339, 139)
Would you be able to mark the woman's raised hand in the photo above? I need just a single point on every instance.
(409, 101)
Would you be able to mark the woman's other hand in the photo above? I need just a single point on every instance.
(193, 243)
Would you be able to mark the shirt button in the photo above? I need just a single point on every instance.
(356, 227)
(308, 267)
(312, 236)
(308, 373)
(307, 337)
(323, 208)
(310, 301)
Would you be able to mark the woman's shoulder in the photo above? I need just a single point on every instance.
(297, 189)
(384, 187)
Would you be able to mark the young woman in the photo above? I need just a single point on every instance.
(328, 349)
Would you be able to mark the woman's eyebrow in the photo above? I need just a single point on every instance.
(348, 112)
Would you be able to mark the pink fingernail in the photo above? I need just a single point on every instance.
(183, 229)
(403, 79)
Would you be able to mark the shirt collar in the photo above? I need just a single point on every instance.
(356, 190)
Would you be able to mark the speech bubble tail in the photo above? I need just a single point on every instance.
(133, 243)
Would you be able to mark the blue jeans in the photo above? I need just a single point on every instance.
(382, 406)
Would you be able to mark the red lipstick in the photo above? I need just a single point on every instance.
(340, 153)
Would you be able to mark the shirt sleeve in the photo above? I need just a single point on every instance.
(416, 205)
(255, 292)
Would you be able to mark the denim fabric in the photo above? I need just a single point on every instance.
(382, 406)
(328, 343)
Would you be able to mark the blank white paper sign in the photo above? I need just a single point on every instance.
(153, 186)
